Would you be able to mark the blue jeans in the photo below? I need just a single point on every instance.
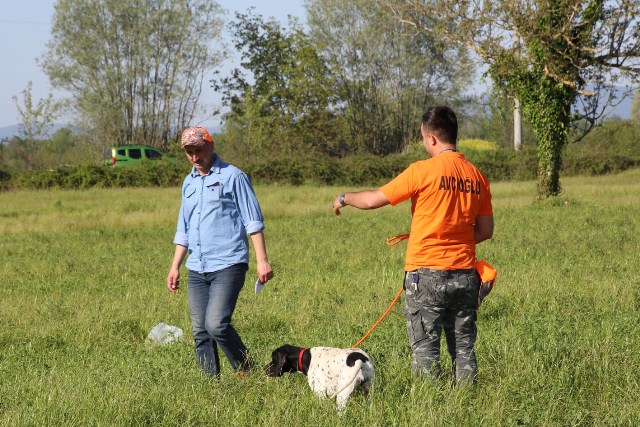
(212, 300)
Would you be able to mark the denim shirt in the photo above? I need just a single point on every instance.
(217, 212)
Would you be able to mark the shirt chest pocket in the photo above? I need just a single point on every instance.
(190, 198)
(214, 193)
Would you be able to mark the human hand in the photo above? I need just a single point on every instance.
(173, 280)
(265, 272)
(485, 289)
(336, 206)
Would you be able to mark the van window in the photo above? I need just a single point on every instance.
(152, 154)
(135, 153)
(122, 152)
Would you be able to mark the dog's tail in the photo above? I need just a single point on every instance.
(357, 368)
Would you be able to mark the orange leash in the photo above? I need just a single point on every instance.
(375, 325)
(485, 270)
(392, 241)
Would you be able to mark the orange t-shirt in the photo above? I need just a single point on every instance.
(447, 194)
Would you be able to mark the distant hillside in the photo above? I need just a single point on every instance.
(9, 132)
(622, 110)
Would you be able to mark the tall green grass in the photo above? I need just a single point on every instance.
(83, 284)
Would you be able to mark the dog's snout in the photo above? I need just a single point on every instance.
(272, 370)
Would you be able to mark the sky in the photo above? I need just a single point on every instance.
(25, 29)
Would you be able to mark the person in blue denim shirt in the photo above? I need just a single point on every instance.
(219, 208)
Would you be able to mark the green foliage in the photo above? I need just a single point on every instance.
(557, 342)
(285, 106)
(63, 148)
(154, 174)
(134, 68)
(5, 179)
(387, 74)
(36, 118)
(361, 170)
(551, 55)
(611, 148)
(615, 136)
(597, 164)
(503, 164)
(550, 74)
(490, 117)
(546, 105)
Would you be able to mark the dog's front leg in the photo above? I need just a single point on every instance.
(317, 383)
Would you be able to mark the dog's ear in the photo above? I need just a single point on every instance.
(281, 362)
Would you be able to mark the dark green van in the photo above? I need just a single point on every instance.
(132, 155)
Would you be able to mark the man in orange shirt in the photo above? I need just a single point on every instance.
(451, 212)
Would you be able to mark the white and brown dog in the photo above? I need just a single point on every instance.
(331, 372)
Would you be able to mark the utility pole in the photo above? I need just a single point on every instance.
(517, 120)
(517, 125)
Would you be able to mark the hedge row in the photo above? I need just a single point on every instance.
(500, 165)
(88, 176)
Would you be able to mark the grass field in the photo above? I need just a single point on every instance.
(83, 284)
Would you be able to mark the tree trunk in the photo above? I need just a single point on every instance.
(549, 162)
(547, 106)
(550, 121)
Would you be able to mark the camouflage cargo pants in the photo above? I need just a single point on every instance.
(437, 300)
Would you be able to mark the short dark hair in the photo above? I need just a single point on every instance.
(442, 122)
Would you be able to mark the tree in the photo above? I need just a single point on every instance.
(490, 116)
(387, 74)
(36, 119)
(279, 106)
(562, 59)
(134, 68)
